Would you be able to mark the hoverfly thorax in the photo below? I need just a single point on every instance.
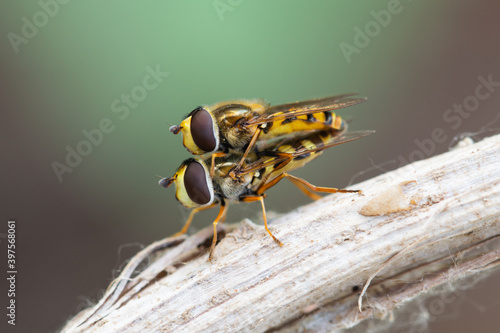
(193, 184)
(200, 132)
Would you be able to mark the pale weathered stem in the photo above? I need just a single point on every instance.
(443, 228)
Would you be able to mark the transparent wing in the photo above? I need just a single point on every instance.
(347, 137)
(290, 110)
(273, 157)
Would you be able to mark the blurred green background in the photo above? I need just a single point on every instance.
(67, 66)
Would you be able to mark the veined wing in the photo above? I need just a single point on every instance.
(347, 137)
(290, 110)
(273, 157)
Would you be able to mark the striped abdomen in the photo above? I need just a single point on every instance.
(299, 127)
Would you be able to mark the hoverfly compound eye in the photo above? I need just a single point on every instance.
(203, 130)
(196, 183)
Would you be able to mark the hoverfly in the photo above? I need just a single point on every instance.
(199, 188)
(236, 126)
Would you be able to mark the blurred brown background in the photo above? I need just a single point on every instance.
(67, 67)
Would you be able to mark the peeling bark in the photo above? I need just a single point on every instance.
(446, 228)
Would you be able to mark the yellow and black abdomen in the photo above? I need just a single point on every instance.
(300, 127)
(301, 151)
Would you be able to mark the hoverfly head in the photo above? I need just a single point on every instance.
(193, 184)
(200, 132)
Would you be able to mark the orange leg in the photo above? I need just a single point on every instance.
(222, 213)
(306, 191)
(314, 188)
(190, 218)
(281, 158)
(304, 186)
(235, 170)
(212, 166)
(223, 217)
(261, 199)
(270, 184)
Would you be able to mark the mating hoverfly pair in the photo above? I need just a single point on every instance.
(244, 147)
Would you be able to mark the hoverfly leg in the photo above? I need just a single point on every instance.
(190, 218)
(304, 186)
(212, 166)
(270, 184)
(299, 181)
(222, 214)
(261, 199)
(278, 160)
(236, 170)
(223, 217)
(306, 191)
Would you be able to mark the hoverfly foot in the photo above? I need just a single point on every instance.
(278, 241)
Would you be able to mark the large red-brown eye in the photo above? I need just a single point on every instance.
(202, 130)
(195, 181)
